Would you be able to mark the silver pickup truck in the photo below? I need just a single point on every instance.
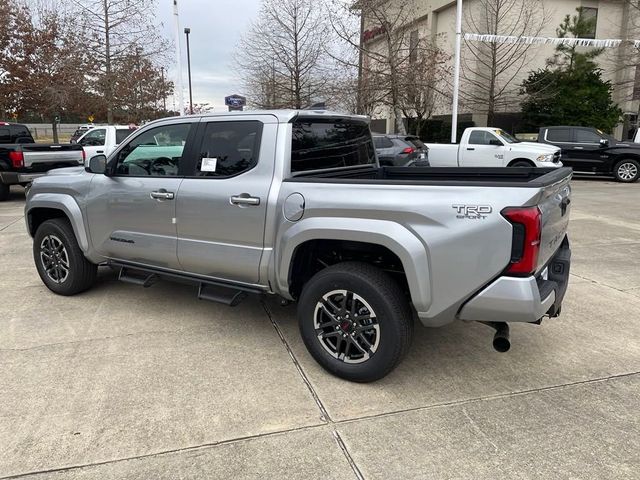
(294, 204)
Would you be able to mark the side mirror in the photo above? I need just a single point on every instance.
(73, 141)
(97, 164)
(604, 142)
(496, 143)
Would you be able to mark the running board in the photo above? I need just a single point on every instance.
(227, 294)
(220, 294)
(137, 277)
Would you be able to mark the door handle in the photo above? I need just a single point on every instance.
(578, 148)
(99, 151)
(469, 148)
(162, 194)
(245, 199)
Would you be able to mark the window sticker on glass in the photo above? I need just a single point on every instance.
(209, 164)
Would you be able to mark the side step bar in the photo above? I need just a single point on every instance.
(219, 292)
(137, 277)
(216, 293)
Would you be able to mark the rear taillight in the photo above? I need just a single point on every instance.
(409, 150)
(525, 246)
(17, 159)
(84, 156)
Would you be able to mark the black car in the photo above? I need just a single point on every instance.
(400, 150)
(588, 149)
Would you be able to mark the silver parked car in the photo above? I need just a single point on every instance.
(401, 150)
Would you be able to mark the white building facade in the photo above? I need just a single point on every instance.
(434, 21)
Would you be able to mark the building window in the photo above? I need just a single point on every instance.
(413, 46)
(590, 18)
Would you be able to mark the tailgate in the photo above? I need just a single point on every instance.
(51, 154)
(554, 207)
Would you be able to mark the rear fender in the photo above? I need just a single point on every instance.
(410, 250)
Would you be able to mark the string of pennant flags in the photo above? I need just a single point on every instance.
(580, 42)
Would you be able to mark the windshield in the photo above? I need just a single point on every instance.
(506, 136)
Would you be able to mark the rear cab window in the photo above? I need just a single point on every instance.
(330, 143)
(559, 135)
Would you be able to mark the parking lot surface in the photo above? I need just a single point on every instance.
(126, 382)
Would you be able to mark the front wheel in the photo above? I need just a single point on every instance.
(627, 171)
(521, 163)
(61, 264)
(355, 321)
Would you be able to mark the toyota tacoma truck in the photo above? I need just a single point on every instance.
(22, 160)
(492, 147)
(294, 204)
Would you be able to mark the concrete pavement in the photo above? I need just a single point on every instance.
(124, 382)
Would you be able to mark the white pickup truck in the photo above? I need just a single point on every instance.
(492, 147)
(103, 139)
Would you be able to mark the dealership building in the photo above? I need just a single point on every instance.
(434, 21)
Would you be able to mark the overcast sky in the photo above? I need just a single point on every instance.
(216, 27)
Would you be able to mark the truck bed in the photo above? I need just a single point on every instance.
(453, 176)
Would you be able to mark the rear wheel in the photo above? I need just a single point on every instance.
(60, 262)
(5, 191)
(355, 321)
(627, 171)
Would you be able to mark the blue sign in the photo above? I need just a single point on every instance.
(235, 101)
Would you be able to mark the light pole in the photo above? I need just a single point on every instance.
(187, 31)
(178, 87)
(456, 74)
(164, 97)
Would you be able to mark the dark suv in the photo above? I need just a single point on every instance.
(589, 150)
(400, 150)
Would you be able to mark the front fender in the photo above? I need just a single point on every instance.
(410, 250)
(65, 203)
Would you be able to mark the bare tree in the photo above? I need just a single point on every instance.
(379, 32)
(420, 82)
(492, 71)
(279, 58)
(117, 29)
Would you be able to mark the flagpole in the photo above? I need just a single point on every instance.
(456, 74)
(178, 87)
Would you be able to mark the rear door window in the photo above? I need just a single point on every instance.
(322, 143)
(122, 133)
(559, 135)
(229, 148)
(5, 135)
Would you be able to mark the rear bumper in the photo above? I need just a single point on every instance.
(14, 178)
(513, 299)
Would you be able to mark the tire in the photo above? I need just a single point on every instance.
(364, 349)
(627, 171)
(5, 191)
(71, 272)
(521, 163)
